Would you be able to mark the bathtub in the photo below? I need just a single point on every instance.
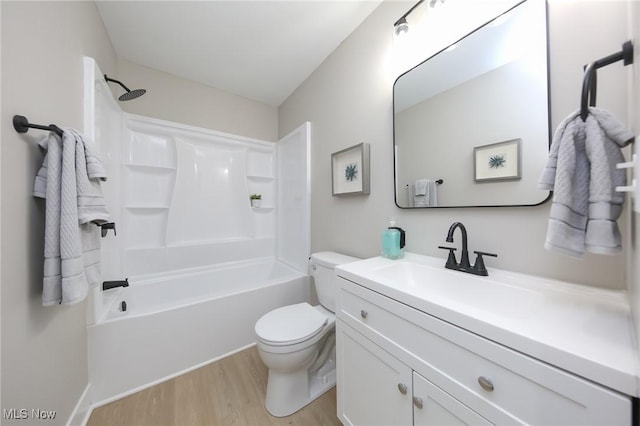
(178, 322)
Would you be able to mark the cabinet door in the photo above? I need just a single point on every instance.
(373, 387)
(433, 406)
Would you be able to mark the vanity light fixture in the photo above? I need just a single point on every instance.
(401, 26)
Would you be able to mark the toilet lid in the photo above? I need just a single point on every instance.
(290, 324)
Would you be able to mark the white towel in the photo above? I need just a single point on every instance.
(581, 170)
(424, 193)
(421, 186)
(410, 194)
(69, 179)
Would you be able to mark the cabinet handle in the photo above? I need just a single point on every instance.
(402, 388)
(486, 383)
(363, 313)
(417, 402)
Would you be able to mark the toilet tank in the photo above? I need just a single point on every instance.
(322, 265)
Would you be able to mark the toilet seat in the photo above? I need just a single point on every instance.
(290, 324)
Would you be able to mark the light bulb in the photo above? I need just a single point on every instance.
(402, 27)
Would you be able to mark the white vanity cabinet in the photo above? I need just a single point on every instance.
(374, 387)
(378, 389)
(398, 365)
(433, 406)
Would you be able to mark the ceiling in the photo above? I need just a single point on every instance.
(262, 50)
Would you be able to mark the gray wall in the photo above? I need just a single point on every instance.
(348, 101)
(44, 350)
(176, 99)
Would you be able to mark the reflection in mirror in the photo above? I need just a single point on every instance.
(457, 113)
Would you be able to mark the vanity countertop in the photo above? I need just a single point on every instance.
(584, 330)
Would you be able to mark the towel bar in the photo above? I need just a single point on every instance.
(438, 182)
(22, 125)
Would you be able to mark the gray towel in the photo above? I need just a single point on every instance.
(581, 170)
(424, 193)
(69, 179)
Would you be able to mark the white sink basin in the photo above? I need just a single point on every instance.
(500, 297)
(472, 292)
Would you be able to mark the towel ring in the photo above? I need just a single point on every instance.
(589, 83)
(589, 89)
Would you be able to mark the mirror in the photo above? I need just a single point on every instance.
(471, 123)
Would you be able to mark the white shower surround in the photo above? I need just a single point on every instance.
(203, 265)
(186, 197)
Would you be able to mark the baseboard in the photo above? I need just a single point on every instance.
(82, 410)
(164, 379)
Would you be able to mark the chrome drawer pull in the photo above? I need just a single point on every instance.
(402, 388)
(485, 383)
(417, 402)
(363, 313)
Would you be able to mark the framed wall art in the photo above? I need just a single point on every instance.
(497, 161)
(350, 171)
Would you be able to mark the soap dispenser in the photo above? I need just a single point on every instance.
(393, 240)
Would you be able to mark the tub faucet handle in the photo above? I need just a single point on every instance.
(104, 228)
(108, 285)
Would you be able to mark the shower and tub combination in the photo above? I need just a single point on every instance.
(183, 320)
(202, 265)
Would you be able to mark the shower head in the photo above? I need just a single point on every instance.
(131, 94)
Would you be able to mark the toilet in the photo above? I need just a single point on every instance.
(298, 344)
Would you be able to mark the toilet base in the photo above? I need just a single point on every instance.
(289, 392)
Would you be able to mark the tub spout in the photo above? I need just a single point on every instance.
(107, 285)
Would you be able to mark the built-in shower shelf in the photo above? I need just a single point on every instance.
(152, 167)
(260, 178)
(146, 206)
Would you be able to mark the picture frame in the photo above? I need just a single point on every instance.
(498, 161)
(350, 171)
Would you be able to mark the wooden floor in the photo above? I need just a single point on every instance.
(227, 392)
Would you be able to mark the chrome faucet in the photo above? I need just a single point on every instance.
(465, 266)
